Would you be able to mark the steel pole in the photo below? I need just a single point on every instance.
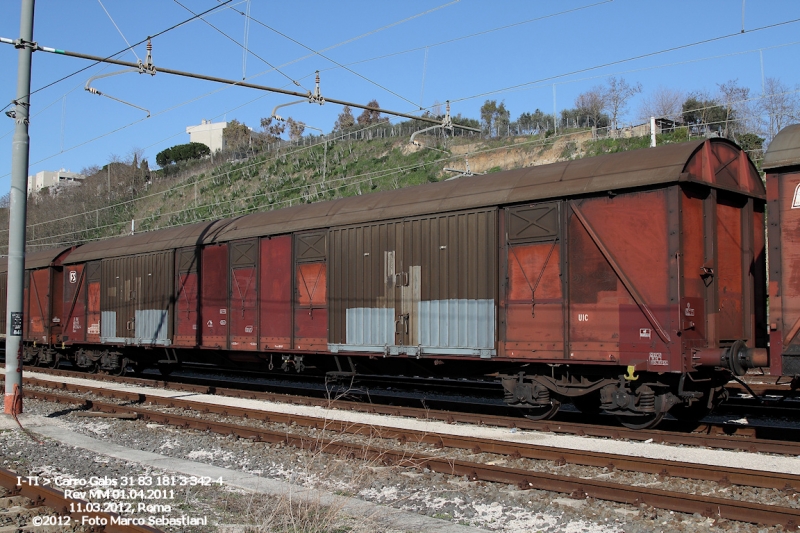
(18, 207)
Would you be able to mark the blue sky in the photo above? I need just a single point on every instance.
(393, 46)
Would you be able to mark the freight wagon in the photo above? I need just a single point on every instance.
(632, 283)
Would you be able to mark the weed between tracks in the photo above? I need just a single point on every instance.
(323, 481)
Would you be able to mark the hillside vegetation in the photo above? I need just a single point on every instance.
(128, 194)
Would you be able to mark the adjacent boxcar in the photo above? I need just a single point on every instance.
(782, 166)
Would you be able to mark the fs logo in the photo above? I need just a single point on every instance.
(73, 276)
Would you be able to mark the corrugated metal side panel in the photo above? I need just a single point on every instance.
(275, 293)
(138, 283)
(108, 324)
(456, 323)
(152, 326)
(451, 259)
(370, 327)
(362, 267)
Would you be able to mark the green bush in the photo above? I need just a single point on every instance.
(181, 152)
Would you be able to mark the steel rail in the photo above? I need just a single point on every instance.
(723, 436)
(561, 456)
(579, 488)
(42, 496)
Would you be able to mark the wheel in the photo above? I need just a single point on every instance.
(543, 412)
(644, 421)
(166, 370)
(588, 404)
(120, 370)
(641, 421)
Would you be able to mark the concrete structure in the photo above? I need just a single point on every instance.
(208, 133)
(51, 178)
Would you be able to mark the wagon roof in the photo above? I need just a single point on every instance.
(39, 259)
(151, 241)
(612, 172)
(666, 164)
(784, 150)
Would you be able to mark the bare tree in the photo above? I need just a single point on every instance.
(662, 103)
(617, 95)
(371, 115)
(735, 100)
(780, 106)
(591, 103)
(345, 119)
(296, 128)
(236, 135)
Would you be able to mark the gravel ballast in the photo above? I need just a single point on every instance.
(485, 505)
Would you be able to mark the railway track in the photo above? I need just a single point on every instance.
(711, 435)
(39, 508)
(475, 471)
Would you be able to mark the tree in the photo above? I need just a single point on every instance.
(617, 95)
(371, 115)
(735, 101)
(780, 105)
(662, 103)
(591, 104)
(174, 154)
(236, 135)
(296, 128)
(752, 144)
(345, 120)
(495, 118)
(702, 111)
(272, 131)
(488, 110)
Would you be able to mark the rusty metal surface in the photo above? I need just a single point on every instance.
(151, 241)
(524, 479)
(276, 293)
(784, 257)
(54, 499)
(612, 172)
(39, 259)
(784, 150)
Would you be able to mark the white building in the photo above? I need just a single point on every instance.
(208, 133)
(52, 178)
